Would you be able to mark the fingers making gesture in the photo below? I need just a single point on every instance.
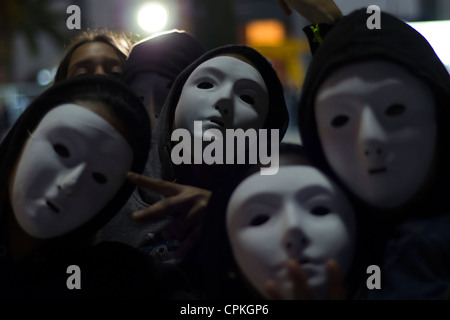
(185, 203)
(301, 288)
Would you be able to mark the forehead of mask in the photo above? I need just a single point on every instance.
(376, 123)
(223, 93)
(153, 89)
(70, 168)
(295, 214)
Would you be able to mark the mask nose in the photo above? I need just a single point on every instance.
(224, 101)
(294, 240)
(71, 181)
(372, 135)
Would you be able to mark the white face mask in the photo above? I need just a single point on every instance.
(71, 167)
(224, 93)
(295, 214)
(377, 127)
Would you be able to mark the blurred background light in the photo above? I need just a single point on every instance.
(268, 32)
(44, 77)
(152, 17)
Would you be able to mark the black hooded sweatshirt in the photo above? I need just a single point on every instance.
(350, 41)
(107, 269)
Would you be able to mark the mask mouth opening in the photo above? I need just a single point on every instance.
(52, 206)
(377, 170)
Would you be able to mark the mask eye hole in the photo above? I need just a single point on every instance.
(339, 121)
(205, 85)
(320, 211)
(99, 178)
(61, 150)
(259, 220)
(247, 99)
(395, 110)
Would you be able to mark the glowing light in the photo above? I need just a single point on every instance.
(265, 33)
(152, 17)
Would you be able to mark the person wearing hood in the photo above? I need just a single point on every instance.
(63, 166)
(229, 87)
(155, 62)
(374, 112)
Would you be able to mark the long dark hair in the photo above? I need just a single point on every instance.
(118, 41)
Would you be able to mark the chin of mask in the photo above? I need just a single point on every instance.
(295, 214)
(377, 127)
(70, 168)
(223, 93)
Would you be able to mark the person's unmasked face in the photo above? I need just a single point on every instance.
(377, 127)
(70, 168)
(94, 58)
(299, 214)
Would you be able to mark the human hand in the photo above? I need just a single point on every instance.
(315, 11)
(302, 290)
(187, 203)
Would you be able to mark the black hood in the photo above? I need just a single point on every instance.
(166, 53)
(123, 104)
(277, 117)
(350, 41)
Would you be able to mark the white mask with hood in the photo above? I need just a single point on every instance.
(70, 168)
(377, 128)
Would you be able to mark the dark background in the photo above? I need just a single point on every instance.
(34, 35)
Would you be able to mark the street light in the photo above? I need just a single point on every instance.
(152, 17)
